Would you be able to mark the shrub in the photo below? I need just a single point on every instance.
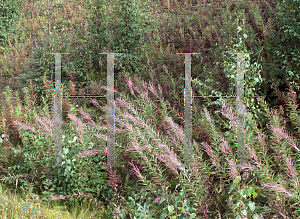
(144, 204)
(43, 65)
(243, 205)
(9, 13)
(253, 76)
(124, 34)
(82, 172)
(283, 46)
(127, 27)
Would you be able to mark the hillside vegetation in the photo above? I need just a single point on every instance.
(152, 181)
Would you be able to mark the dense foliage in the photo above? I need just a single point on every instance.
(151, 180)
(9, 14)
(284, 46)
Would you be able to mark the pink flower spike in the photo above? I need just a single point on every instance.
(86, 116)
(290, 170)
(45, 127)
(152, 89)
(95, 102)
(159, 88)
(234, 171)
(131, 86)
(135, 171)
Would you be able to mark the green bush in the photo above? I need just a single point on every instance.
(78, 174)
(243, 206)
(283, 44)
(9, 13)
(127, 28)
(253, 76)
(71, 178)
(143, 204)
(119, 31)
(43, 65)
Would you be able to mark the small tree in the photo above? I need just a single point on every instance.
(119, 27)
(284, 45)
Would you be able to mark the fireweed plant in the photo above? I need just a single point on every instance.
(149, 143)
(152, 154)
(213, 183)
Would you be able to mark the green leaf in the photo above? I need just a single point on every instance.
(235, 206)
(238, 178)
(26, 207)
(232, 187)
(65, 150)
(33, 210)
(255, 216)
(251, 190)
(255, 195)
(251, 206)
(163, 215)
(171, 209)
(74, 139)
(162, 200)
(244, 212)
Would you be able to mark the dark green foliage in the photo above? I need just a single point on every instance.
(9, 13)
(284, 47)
(127, 29)
(124, 34)
(43, 64)
(172, 204)
(69, 180)
(86, 175)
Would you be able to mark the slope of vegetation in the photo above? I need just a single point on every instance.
(149, 118)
